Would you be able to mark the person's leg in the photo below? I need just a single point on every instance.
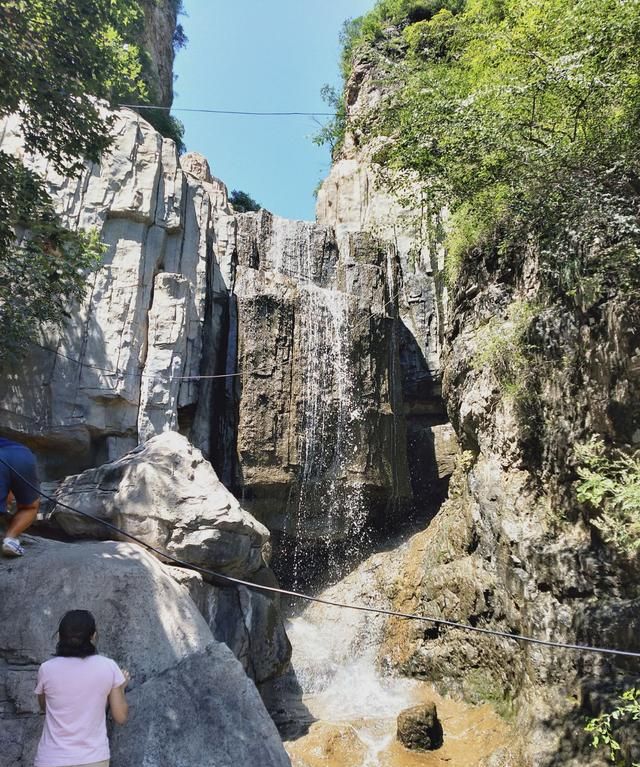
(24, 517)
(24, 486)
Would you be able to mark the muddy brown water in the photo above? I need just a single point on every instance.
(471, 733)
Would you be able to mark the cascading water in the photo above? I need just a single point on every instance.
(336, 685)
(326, 499)
(327, 502)
(355, 706)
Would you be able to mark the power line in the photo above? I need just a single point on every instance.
(331, 603)
(229, 111)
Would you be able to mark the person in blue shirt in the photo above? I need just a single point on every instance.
(19, 481)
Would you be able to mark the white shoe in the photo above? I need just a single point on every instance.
(11, 547)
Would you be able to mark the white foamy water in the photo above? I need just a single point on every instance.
(334, 657)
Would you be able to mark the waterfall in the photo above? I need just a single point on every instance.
(329, 505)
(335, 656)
(327, 502)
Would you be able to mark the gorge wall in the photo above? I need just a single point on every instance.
(511, 548)
(275, 348)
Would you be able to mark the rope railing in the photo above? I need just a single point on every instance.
(221, 578)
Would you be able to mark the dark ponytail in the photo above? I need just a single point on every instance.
(74, 635)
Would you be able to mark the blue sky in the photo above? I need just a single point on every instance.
(261, 55)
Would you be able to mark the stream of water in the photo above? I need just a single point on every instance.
(353, 706)
(349, 708)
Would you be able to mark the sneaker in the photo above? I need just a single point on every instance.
(11, 547)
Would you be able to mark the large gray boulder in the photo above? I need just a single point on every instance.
(192, 705)
(167, 494)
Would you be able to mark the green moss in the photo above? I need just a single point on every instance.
(481, 686)
(502, 346)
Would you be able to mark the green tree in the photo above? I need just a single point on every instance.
(243, 202)
(56, 56)
(522, 117)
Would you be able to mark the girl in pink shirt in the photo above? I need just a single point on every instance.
(73, 690)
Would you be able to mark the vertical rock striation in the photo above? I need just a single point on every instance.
(121, 370)
(274, 346)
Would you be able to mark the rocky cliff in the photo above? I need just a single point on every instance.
(274, 346)
(511, 548)
(158, 36)
(271, 346)
(333, 382)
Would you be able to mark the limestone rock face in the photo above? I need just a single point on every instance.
(248, 621)
(419, 728)
(159, 27)
(122, 369)
(353, 199)
(512, 548)
(275, 348)
(149, 625)
(320, 429)
(166, 493)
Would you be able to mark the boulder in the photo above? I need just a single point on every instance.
(419, 728)
(167, 494)
(207, 697)
(192, 705)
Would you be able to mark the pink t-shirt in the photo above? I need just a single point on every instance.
(75, 727)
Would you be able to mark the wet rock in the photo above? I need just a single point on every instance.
(167, 494)
(419, 728)
(149, 625)
(320, 432)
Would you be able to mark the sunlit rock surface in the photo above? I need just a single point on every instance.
(167, 494)
(277, 349)
(121, 370)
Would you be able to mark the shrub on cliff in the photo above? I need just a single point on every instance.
(242, 202)
(609, 483)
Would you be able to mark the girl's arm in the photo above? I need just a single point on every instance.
(41, 701)
(118, 703)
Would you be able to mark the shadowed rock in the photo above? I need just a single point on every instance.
(191, 703)
(419, 728)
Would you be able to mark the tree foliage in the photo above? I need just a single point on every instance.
(242, 202)
(523, 117)
(56, 57)
(610, 484)
(603, 727)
